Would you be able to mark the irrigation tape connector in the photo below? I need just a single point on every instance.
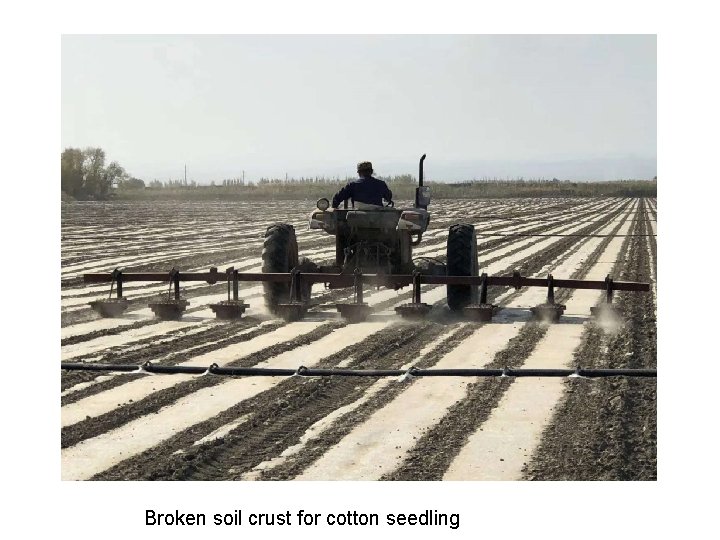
(142, 368)
(300, 371)
(577, 374)
(402, 374)
(211, 369)
(408, 375)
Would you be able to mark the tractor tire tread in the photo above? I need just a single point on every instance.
(279, 255)
(462, 261)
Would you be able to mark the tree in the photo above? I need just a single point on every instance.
(130, 182)
(95, 185)
(114, 174)
(83, 174)
(71, 171)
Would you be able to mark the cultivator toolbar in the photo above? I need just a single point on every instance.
(376, 238)
(173, 305)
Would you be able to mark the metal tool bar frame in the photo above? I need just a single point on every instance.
(348, 280)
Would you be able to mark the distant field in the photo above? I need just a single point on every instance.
(185, 427)
(314, 189)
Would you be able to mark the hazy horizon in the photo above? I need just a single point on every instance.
(570, 107)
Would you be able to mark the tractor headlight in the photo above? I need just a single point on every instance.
(323, 204)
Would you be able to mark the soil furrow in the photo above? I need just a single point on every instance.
(137, 302)
(173, 353)
(434, 452)
(278, 417)
(110, 384)
(339, 428)
(607, 429)
(342, 426)
(92, 427)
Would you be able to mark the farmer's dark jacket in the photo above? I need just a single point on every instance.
(368, 190)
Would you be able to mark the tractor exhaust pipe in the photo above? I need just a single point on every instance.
(422, 193)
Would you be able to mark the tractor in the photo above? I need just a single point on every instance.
(371, 240)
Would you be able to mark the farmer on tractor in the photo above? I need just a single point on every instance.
(366, 191)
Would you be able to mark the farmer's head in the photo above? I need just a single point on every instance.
(364, 168)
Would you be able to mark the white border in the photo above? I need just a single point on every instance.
(687, 123)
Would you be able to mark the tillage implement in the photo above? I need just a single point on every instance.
(373, 247)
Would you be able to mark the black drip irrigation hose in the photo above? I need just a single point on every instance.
(562, 235)
(214, 369)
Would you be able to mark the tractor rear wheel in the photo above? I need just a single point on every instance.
(462, 260)
(279, 255)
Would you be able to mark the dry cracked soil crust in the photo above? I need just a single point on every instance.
(606, 429)
(602, 429)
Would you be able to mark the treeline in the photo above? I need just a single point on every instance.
(545, 188)
(85, 176)
(403, 187)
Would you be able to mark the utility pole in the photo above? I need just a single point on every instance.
(186, 174)
(243, 177)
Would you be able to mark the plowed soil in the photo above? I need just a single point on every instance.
(170, 427)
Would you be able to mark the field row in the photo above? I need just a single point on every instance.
(142, 426)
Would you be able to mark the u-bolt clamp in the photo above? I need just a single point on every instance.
(483, 288)
(116, 276)
(174, 280)
(212, 280)
(551, 290)
(416, 286)
(517, 277)
(229, 278)
(358, 286)
(294, 285)
(236, 285)
(609, 289)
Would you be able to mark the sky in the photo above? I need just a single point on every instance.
(578, 107)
